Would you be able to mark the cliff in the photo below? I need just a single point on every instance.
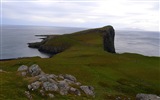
(57, 43)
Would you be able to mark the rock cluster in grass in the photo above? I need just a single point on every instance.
(48, 84)
(142, 96)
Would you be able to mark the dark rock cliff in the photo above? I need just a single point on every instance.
(108, 39)
(45, 46)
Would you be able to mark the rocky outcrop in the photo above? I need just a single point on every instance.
(108, 39)
(143, 96)
(48, 84)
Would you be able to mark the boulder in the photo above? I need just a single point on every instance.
(50, 86)
(69, 81)
(70, 77)
(88, 90)
(34, 85)
(108, 39)
(35, 70)
(52, 76)
(74, 91)
(52, 81)
(43, 78)
(23, 68)
(142, 96)
(64, 87)
(60, 76)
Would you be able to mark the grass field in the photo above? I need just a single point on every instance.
(111, 75)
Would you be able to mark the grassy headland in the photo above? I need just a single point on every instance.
(111, 75)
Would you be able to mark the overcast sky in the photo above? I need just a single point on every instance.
(122, 14)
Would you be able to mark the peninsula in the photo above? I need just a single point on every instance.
(88, 56)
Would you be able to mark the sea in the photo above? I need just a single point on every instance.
(14, 40)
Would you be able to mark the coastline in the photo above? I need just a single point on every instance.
(16, 58)
(46, 37)
(51, 51)
(85, 58)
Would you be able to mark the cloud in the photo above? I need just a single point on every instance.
(90, 13)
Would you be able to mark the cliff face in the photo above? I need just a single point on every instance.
(108, 39)
(52, 44)
(52, 50)
(58, 43)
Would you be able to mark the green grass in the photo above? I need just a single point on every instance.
(111, 75)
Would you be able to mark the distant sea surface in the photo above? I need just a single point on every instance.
(14, 39)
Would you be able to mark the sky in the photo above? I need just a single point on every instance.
(121, 14)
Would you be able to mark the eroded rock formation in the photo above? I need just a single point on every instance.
(108, 39)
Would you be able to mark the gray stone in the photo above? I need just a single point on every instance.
(61, 76)
(74, 91)
(50, 86)
(51, 95)
(35, 85)
(108, 39)
(23, 68)
(43, 78)
(52, 81)
(69, 81)
(70, 77)
(24, 74)
(88, 90)
(35, 70)
(28, 95)
(142, 96)
(64, 87)
(52, 76)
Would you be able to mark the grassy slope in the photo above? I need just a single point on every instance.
(111, 75)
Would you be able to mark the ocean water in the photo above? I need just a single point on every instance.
(14, 39)
(141, 42)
